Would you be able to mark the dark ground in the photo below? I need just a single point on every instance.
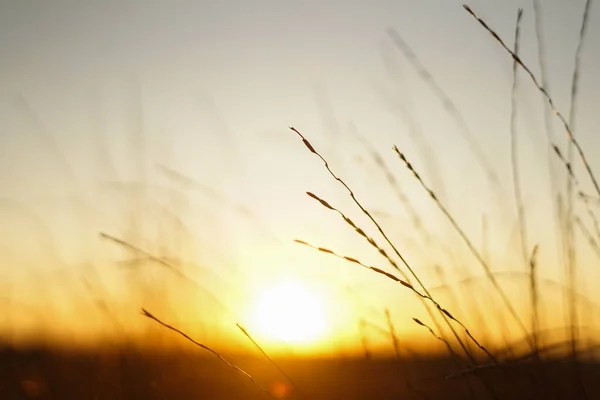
(132, 374)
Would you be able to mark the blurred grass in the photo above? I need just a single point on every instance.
(162, 263)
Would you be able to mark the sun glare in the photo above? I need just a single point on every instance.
(290, 312)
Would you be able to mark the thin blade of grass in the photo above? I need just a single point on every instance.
(264, 353)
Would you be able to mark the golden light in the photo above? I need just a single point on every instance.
(290, 312)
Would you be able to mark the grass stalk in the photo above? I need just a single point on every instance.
(466, 239)
(575, 183)
(264, 353)
(544, 92)
(203, 346)
(441, 339)
(534, 295)
(392, 331)
(393, 183)
(447, 103)
(571, 262)
(393, 277)
(590, 238)
(310, 147)
(514, 156)
(362, 328)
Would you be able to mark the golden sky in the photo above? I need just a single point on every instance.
(103, 105)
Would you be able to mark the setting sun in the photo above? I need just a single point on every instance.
(290, 312)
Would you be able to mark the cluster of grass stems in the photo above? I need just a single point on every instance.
(473, 357)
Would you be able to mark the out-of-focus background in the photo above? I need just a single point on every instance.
(147, 162)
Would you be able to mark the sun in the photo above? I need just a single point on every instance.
(289, 311)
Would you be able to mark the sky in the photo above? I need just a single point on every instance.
(165, 124)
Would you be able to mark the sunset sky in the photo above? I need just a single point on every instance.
(103, 103)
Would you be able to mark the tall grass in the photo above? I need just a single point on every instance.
(470, 354)
(405, 273)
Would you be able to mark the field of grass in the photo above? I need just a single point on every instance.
(464, 365)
